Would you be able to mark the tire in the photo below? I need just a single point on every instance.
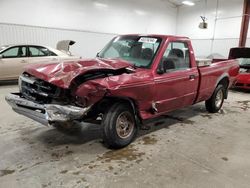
(119, 126)
(215, 102)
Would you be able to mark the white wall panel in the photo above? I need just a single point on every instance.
(229, 8)
(224, 22)
(108, 16)
(201, 50)
(205, 47)
(228, 28)
(248, 42)
(87, 43)
(189, 18)
(91, 23)
(222, 46)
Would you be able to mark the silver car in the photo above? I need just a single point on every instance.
(13, 58)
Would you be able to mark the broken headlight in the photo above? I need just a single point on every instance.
(20, 84)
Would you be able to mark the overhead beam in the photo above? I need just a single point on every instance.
(244, 23)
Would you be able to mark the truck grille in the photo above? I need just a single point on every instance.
(38, 90)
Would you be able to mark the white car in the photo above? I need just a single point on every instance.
(13, 58)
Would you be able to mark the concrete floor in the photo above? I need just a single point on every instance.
(187, 148)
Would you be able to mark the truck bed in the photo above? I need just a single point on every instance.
(212, 74)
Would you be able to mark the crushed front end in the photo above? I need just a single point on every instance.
(44, 102)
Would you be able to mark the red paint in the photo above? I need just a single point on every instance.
(242, 81)
(62, 74)
(169, 91)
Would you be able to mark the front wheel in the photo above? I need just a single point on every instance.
(215, 102)
(119, 126)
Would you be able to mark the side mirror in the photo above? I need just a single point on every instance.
(160, 70)
(166, 65)
(98, 54)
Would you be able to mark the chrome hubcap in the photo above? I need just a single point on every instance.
(124, 125)
(219, 98)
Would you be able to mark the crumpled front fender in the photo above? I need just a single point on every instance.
(91, 92)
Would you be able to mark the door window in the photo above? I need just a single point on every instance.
(14, 52)
(176, 57)
(37, 51)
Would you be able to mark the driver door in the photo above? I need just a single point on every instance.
(176, 82)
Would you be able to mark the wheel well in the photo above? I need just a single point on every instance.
(103, 105)
(225, 82)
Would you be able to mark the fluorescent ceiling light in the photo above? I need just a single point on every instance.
(101, 5)
(140, 12)
(189, 3)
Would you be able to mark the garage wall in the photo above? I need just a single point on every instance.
(87, 43)
(224, 23)
(89, 22)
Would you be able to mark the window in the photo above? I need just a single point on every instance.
(37, 51)
(137, 50)
(14, 52)
(176, 57)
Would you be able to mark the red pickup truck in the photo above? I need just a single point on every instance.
(134, 78)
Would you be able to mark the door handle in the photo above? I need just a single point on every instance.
(192, 77)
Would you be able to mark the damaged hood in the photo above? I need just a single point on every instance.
(62, 74)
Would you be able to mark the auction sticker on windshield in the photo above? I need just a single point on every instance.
(147, 40)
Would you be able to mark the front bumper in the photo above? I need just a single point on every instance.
(45, 113)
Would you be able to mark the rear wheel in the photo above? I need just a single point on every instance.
(215, 102)
(119, 126)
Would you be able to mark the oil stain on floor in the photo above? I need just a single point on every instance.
(147, 140)
(180, 119)
(128, 153)
(6, 172)
(244, 104)
(207, 116)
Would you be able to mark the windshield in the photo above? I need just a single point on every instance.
(137, 50)
(244, 61)
(244, 65)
